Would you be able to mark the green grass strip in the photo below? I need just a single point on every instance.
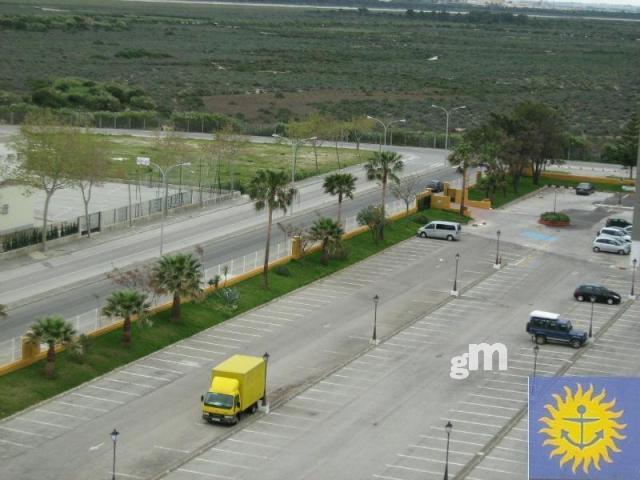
(26, 387)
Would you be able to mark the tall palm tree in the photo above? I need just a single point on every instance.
(270, 189)
(329, 233)
(384, 166)
(51, 330)
(125, 304)
(179, 275)
(463, 158)
(342, 185)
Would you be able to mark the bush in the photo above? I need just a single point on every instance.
(421, 219)
(341, 252)
(229, 297)
(282, 270)
(554, 217)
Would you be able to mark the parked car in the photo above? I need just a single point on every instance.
(549, 327)
(615, 232)
(441, 229)
(612, 245)
(585, 188)
(600, 293)
(617, 222)
(436, 186)
(628, 230)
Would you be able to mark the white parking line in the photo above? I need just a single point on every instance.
(432, 460)
(264, 422)
(195, 472)
(97, 398)
(257, 329)
(481, 414)
(143, 385)
(261, 322)
(103, 410)
(244, 334)
(16, 430)
(302, 397)
(453, 442)
(234, 452)
(226, 464)
(158, 368)
(170, 449)
(267, 434)
(318, 390)
(225, 345)
(218, 337)
(144, 376)
(43, 423)
(51, 412)
(254, 444)
(199, 349)
(115, 391)
(15, 444)
(176, 354)
(386, 477)
(411, 469)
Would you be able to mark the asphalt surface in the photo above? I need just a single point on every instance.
(341, 407)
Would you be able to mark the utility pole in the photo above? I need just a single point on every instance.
(635, 235)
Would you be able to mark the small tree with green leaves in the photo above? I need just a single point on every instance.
(329, 233)
(126, 304)
(372, 217)
(52, 330)
(341, 184)
(178, 275)
(270, 189)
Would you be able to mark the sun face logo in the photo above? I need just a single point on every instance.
(582, 428)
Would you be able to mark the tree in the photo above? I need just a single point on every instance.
(171, 149)
(270, 189)
(314, 128)
(372, 217)
(328, 233)
(624, 151)
(178, 275)
(51, 330)
(384, 166)
(340, 184)
(91, 167)
(406, 190)
(358, 127)
(463, 158)
(141, 279)
(42, 147)
(335, 130)
(125, 304)
(541, 135)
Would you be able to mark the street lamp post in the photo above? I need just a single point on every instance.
(593, 300)
(146, 162)
(295, 145)
(447, 113)
(447, 428)
(455, 277)
(634, 264)
(265, 356)
(374, 337)
(555, 198)
(536, 349)
(498, 262)
(114, 438)
(386, 126)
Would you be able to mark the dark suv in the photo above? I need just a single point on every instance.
(436, 186)
(585, 188)
(549, 327)
(601, 294)
(617, 222)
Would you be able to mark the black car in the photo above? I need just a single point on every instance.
(436, 186)
(601, 294)
(585, 188)
(617, 222)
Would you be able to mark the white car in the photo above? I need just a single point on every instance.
(615, 232)
(628, 229)
(611, 244)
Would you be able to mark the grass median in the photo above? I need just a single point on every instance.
(499, 198)
(26, 387)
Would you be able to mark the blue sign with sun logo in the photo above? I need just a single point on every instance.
(584, 428)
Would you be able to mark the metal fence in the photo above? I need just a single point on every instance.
(10, 350)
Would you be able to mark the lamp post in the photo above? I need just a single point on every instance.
(385, 126)
(374, 337)
(447, 113)
(634, 264)
(265, 356)
(498, 262)
(536, 349)
(555, 198)
(146, 162)
(295, 144)
(454, 292)
(593, 300)
(447, 428)
(114, 438)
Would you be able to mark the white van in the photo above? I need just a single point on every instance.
(440, 229)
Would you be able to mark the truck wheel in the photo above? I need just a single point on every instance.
(541, 339)
(575, 343)
(238, 417)
(423, 235)
(254, 408)
(450, 238)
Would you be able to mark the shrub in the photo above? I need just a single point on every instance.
(215, 281)
(282, 270)
(229, 297)
(555, 217)
(341, 252)
(421, 219)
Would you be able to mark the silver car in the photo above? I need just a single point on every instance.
(611, 244)
(615, 232)
(440, 229)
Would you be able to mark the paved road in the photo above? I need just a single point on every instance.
(378, 414)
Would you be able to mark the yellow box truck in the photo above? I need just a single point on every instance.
(237, 385)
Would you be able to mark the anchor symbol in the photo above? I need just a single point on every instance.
(599, 435)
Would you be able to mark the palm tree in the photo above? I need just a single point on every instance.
(270, 189)
(463, 158)
(51, 330)
(125, 304)
(342, 185)
(329, 233)
(178, 274)
(384, 166)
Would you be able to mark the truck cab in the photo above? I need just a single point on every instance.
(222, 402)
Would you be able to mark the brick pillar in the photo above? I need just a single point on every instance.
(29, 349)
(296, 247)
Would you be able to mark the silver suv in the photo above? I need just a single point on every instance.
(440, 229)
(615, 232)
(611, 244)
